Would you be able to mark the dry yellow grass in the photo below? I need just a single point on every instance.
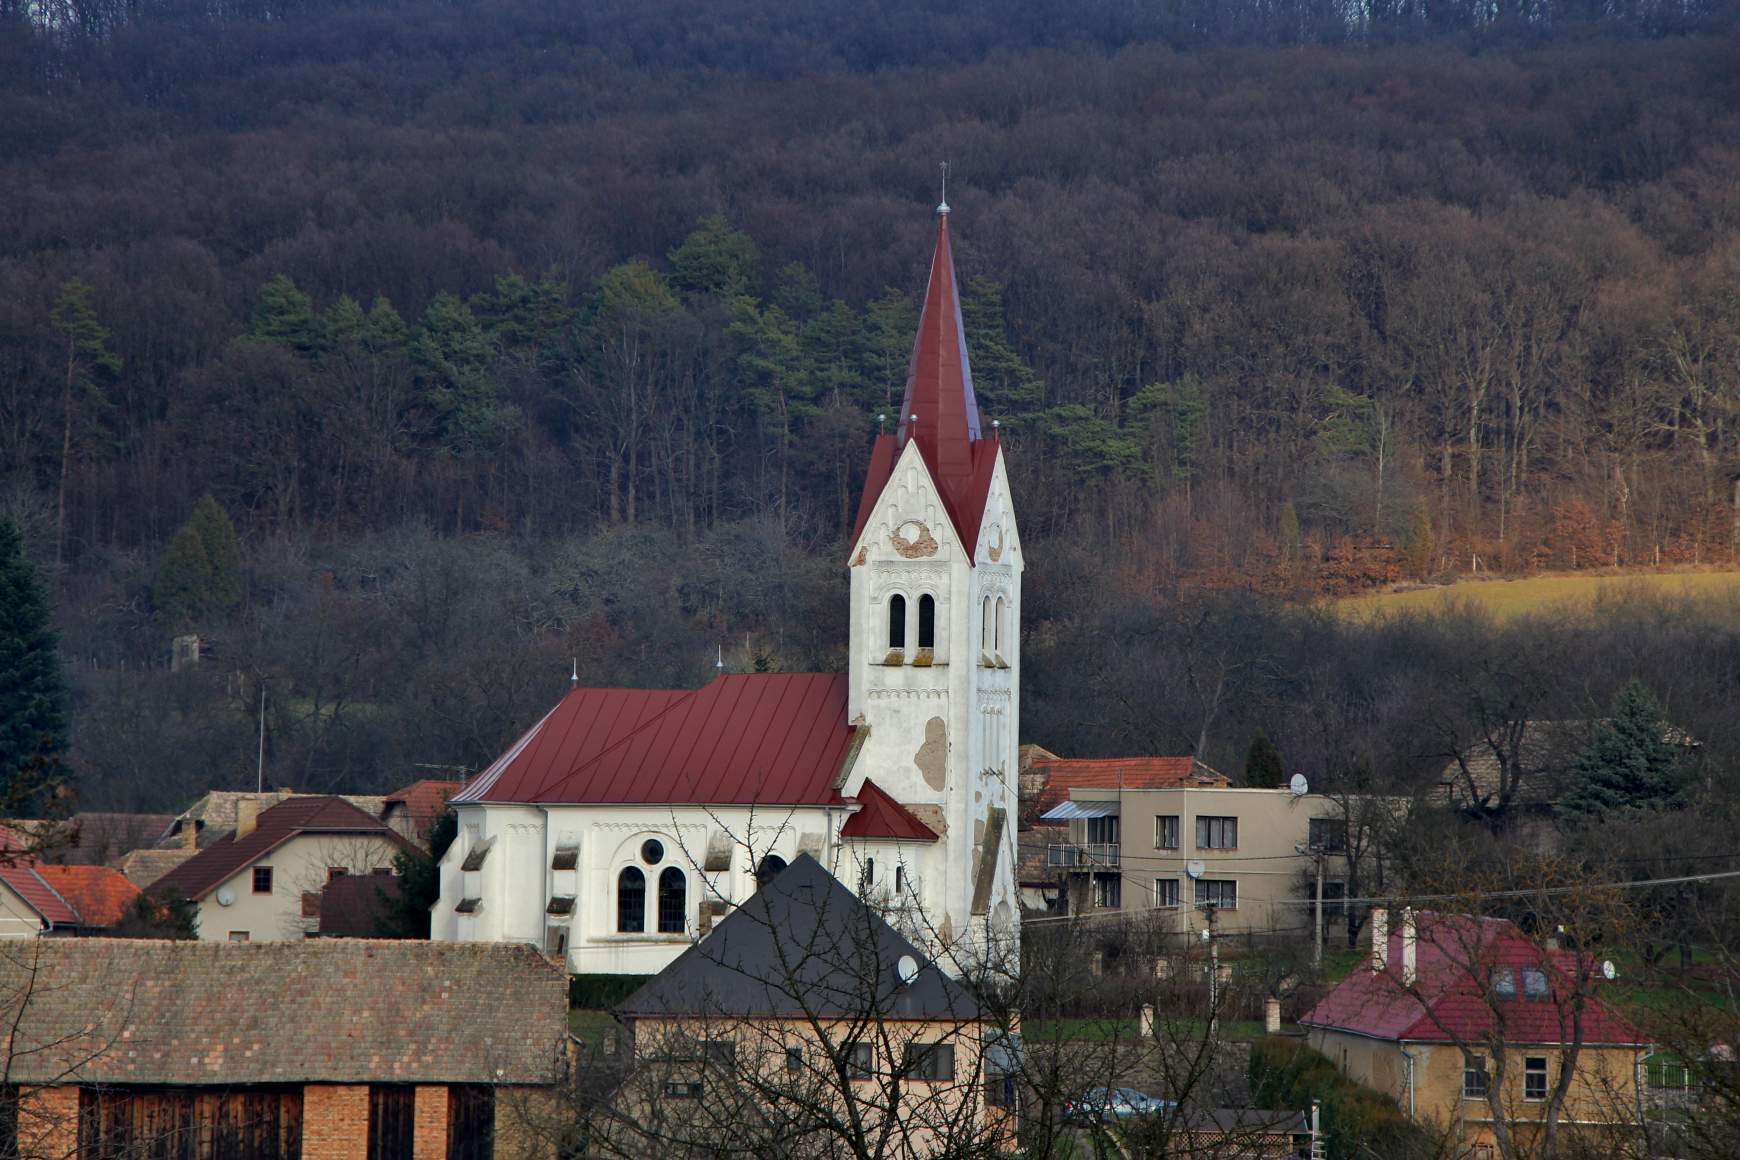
(1507, 598)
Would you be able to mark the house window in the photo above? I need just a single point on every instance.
(335, 872)
(1504, 983)
(931, 1062)
(683, 1089)
(769, 869)
(1166, 831)
(720, 1052)
(631, 900)
(1221, 893)
(1109, 890)
(999, 1089)
(1474, 1077)
(794, 1060)
(470, 1122)
(860, 1060)
(1217, 833)
(1102, 831)
(927, 621)
(1166, 892)
(238, 936)
(896, 621)
(262, 880)
(1534, 983)
(1535, 1077)
(673, 901)
(1327, 834)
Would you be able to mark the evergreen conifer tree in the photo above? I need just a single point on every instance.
(184, 579)
(1263, 762)
(32, 689)
(1630, 763)
(217, 535)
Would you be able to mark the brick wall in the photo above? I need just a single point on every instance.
(335, 1122)
(48, 1123)
(430, 1140)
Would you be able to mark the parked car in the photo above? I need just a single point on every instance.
(1099, 1105)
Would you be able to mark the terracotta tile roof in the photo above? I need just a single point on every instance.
(421, 801)
(802, 946)
(1457, 957)
(768, 738)
(26, 880)
(98, 895)
(880, 816)
(1062, 774)
(357, 905)
(204, 872)
(134, 1011)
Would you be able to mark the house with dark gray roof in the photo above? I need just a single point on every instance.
(313, 1048)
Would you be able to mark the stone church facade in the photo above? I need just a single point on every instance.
(622, 825)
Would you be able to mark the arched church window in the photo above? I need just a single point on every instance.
(997, 629)
(673, 901)
(985, 631)
(769, 869)
(869, 872)
(927, 621)
(897, 621)
(899, 879)
(631, 900)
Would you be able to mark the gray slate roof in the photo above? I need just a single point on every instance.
(801, 945)
(133, 1011)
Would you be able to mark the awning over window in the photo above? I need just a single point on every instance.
(1071, 810)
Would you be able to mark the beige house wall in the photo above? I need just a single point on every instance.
(299, 866)
(1273, 878)
(1603, 1093)
(17, 919)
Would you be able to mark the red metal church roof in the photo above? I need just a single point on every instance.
(939, 411)
(767, 738)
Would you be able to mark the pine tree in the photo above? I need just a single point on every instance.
(88, 362)
(1263, 762)
(184, 579)
(217, 535)
(1630, 763)
(32, 689)
(284, 315)
(716, 259)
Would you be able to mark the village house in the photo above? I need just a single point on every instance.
(1249, 856)
(316, 1050)
(805, 1008)
(255, 884)
(1452, 1014)
(624, 823)
(40, 898)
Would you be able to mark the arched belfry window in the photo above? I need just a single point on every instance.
(897, 621)
(631, 900)
(673, 901)
(997, 639)
(985, 631)
(927, 621)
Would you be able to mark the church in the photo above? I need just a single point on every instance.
(624, 824)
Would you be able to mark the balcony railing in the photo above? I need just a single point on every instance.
(1091, 856)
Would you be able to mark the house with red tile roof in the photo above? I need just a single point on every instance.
(1472, 1023)
(255, 883)
(412, 810)
(622, 824)
(40, 898)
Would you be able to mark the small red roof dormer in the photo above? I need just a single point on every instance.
(939, 412)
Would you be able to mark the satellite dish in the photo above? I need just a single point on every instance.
(907, 969)
(226, 897)
(1608, 970)
(1298, 786)
(1195, 868)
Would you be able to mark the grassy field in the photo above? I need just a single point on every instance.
(1506, 598)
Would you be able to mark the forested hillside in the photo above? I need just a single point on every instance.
(513, 332)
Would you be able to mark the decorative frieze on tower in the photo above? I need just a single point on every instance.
(935, 635)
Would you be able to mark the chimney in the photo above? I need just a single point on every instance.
(189, 834)
(1380, 939)
(247, 815)
(1409, 948)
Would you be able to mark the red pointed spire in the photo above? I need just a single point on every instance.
(939, 409)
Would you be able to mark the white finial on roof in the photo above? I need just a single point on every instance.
(574, 677)
(719, 660)
(943, 207)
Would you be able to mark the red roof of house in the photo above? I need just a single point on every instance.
(1063, 774)
(290, 818)
(26, 880)
(423, 801)
(768, 738)
(939, 411)
(98, 894)
(1458, 956)
(880, 816)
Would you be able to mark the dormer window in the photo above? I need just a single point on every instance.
(896, 622)
(926, 623)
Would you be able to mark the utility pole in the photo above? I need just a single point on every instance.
(1208, 936)
(260, 767)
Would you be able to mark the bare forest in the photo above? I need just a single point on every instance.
(518, 335)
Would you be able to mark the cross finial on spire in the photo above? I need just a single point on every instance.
(574, 677)
(943, 206)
